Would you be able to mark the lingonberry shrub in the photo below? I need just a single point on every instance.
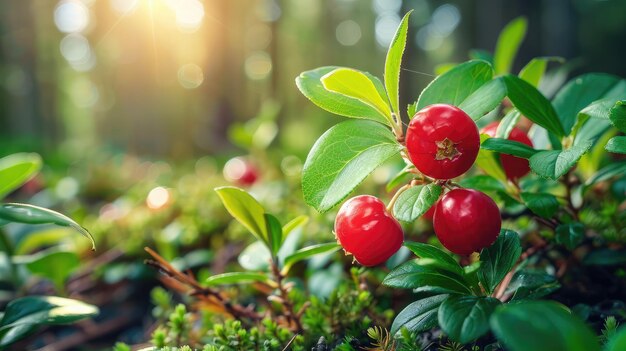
(442, 143)
(366, 230)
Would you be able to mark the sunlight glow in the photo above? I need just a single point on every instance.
(190, 76)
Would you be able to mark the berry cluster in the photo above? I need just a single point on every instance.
(442, 142)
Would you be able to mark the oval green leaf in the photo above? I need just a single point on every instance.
(541, 326)
(393, 63)
(341, 158)
(29, 214)
(498, 259)
(17, 169)
(466, 318)
(246, 210)
(413, 275)
(415, 201)
(418, 316)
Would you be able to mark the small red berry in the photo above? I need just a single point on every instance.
(514, 167)
(366, 230)
(240, 171)
(466, 221)
(430, 214)
(442, 141)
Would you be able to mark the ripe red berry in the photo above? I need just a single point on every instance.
(514, 167)
(366, 230)
(240, 171)
(430, 214)
(466, 221)
(442, 141)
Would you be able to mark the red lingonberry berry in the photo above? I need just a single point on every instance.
(367, 230)
(442, 141)
(241, 171)
(466, 221)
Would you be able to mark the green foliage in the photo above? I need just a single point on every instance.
(342, 158)
(498, 259)
(466, 318)
(508, 147)
(237, 278)
(570, 235)
(508, 44)
(541, 325)
(553, 164)
(25, 315)
(393, 63)
(415, 201)
(17, 169)
(247, 210)
(462, 86)
(311, 86)
(418, 316)
(422, 273)
(542, 204)
(534, 70)
(532, 104)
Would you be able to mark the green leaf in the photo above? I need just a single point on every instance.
(415, 201)
(412, 275)
(52, 264)
(17, 169)
(29, 214)
(357, 85)
(294, 224)
(507, 124)
(393, 63)
(309, 251)
(310, 85)
(570, 235)
(498, 259)
(617, 115)
(532, 104)
(605, 257)
(341, 158)
(482, 183)
(237, 278)
(509, 147)
(466, 318)
(488, 162)
(418, 316)
(485, 99)
(274, 232)
(535, 69)
(528, 284)
(246, 210)
(439, 257)
(610, 171)
(39, 239)
(24, 315)
(617, 342)
(553, 164)
(616, 145)
(402, 177)
(541, 326)
(542, 204)
(456, 85)
(508, 43)
(580, 92)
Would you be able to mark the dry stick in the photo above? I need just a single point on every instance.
(166, 268)
(288, 307)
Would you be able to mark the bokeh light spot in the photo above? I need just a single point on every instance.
(258, 65)
(158, 198)
(445, 19)
(386, 28)
(71, 16)
(124, 6)
(190, 76)
(348, 33)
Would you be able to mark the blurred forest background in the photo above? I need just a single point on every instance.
(166, 78)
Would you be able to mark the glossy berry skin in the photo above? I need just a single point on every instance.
(241, 171)
(442, 141)
(366, 230)
(466, 221)
(514, 167)
(430, 214)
